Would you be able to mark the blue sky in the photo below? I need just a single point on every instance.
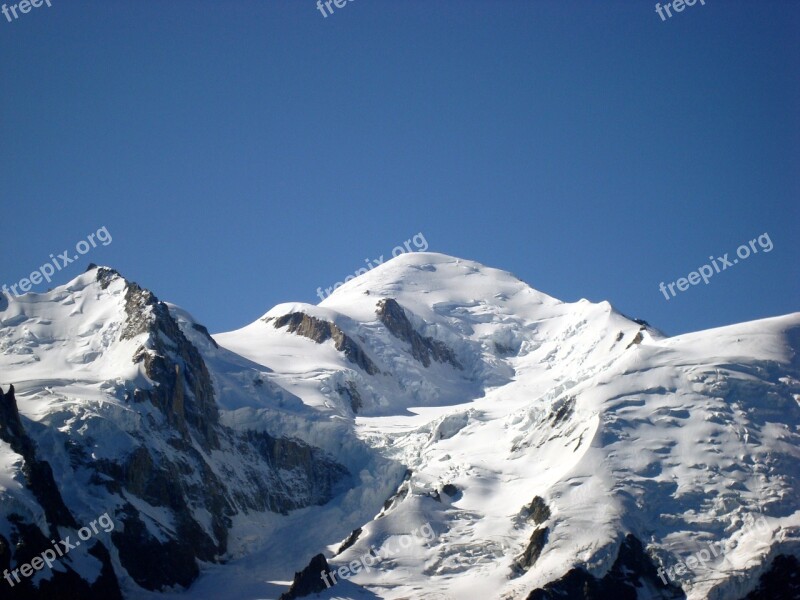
(245, 153)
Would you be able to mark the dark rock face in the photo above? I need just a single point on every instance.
(321, 331)
(562, 410)
(392, 315)
(636, 340)
(184, 394)
(350, 393)
(504, 350)
(351, 539)
(402, 491)
(38, 474)
(184, 486)
(781, 582)
(313, 479)
(631, 569)
(183, 391)
(533, 551)
(310, 580)
(451, 490)
(183, 461)
(316, 478)
(11, 428)
(64, 584)
(538, 511)
(204, 332)
(27, 540)
(180, 487)
(151, 563)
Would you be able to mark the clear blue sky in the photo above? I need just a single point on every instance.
(244, 153)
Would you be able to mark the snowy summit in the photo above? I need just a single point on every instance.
(434, 428)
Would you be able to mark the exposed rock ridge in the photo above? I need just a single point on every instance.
(27, 540)
(321, 331)
(181, 476)
(310, 579)
(632, 570)
(183, 391)
(392, 315)
(323, 476)
(38, 473)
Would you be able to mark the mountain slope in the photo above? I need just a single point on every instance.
(117, 409)
(544, 449)
(620, 431)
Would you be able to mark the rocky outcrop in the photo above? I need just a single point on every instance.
(351, 539)
(538, 511)
(196, 472)
(183, 485)
(37, 473)
(781, 581)
(350, 393)
(631, 571)
(533, 551)
(27, 540)
(203, 330)
(423, 349)
(402, 491)
(61, 584)
(451, 490)
(315, 477)
(280, 474)
(310, 580)
(153, 564)
(321, 331)
(638, 339)
(562, 410)
(183, 390)
(11, 429)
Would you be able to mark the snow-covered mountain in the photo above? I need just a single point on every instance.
(435, 428)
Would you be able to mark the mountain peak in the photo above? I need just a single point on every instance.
(547, 448)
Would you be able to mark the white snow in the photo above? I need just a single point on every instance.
(676, 440)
